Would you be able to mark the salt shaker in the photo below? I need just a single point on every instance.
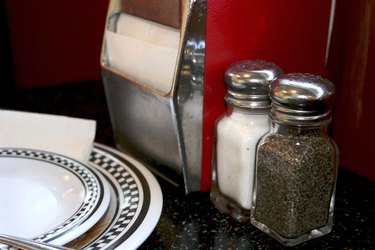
(237, 132)
(297, 162)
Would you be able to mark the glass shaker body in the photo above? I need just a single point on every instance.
(237, 133)
(296, 163)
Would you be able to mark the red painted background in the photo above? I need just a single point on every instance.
(55, 42)
(60, 42)
(291, 33)
(351, 67)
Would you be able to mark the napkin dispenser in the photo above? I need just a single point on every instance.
(152, 69)
(163, 65)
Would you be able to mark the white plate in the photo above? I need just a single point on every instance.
(47, 196)
(136, 202)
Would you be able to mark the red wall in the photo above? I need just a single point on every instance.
(59, 42)
(55, 42)
(291, 33)
(351, 67)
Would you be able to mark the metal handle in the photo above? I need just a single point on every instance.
(26, 244)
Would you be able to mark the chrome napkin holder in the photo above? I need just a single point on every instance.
(163, 130)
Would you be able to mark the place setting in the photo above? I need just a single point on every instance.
(59, 187)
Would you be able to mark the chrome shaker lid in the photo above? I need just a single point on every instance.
(300, 98)
(248, 83)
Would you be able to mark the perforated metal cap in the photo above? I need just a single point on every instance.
(248, 83)
(300, 98)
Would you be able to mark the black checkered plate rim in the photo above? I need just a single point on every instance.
(138, 195)
(89, 178)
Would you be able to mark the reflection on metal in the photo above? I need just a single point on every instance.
(164, 130)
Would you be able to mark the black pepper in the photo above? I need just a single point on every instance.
(296, 162)
(295, 175)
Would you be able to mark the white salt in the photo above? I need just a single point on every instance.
(237, 138)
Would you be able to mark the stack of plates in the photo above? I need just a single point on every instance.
(113, 202)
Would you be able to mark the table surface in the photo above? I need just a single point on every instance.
(191, 221)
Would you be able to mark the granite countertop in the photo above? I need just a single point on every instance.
(192, 222)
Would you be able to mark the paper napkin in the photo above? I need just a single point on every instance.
(143, 50)
(72, 137)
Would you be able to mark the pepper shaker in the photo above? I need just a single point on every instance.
(297, 162)
(237, 132)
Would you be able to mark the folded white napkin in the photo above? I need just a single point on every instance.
(72, 137)
(143, 50)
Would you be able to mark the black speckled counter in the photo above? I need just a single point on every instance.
(192, 222)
